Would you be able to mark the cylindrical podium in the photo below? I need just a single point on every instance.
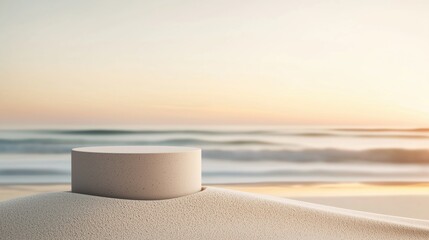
(136, 172)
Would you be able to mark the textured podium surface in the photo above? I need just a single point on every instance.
(136, 172)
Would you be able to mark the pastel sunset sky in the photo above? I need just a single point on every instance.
(214, 62)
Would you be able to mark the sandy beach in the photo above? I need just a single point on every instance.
(254, 120)
(396, 199)
(137, 192)
(226, 214)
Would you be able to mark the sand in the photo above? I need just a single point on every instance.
(398, 199)
(215, 213)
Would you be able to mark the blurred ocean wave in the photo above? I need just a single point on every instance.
(235, 155)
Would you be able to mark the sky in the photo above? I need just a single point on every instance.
(214, 62)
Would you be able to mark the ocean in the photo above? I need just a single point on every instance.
(235, 154)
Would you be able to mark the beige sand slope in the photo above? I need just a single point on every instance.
(213, 213)
(397, 199)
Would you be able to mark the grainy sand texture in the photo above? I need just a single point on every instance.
(213, 213)
(398, 199)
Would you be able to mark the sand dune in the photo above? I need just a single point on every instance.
(214, 213)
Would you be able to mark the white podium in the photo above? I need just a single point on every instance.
(136, 172)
